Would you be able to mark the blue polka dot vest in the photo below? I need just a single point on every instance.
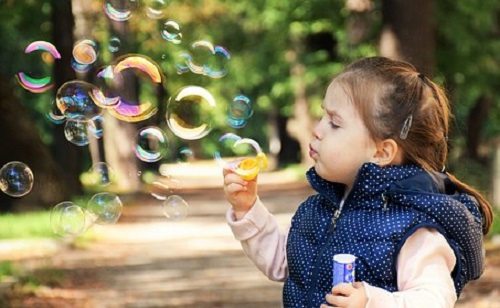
(385, 207)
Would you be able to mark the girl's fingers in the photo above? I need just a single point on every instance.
(234, 178)
(342, 289)
(337, 301)
(234, 188)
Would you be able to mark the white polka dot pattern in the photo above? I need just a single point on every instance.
(384, 208)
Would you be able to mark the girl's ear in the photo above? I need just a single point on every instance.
(388, 153)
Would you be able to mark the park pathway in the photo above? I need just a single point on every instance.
(147, 261)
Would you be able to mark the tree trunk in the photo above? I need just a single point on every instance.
(299, 126)
(67, 155)
(408, 33)
(119, 136)
(19, 141)
(477, 117)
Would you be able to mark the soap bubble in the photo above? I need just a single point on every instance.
(148, 74)
(105, 207)
(119, 10)
(182, 62)
(101, 174)
(190, 112)
(68, 219)
(34, 85)
(43, 83)
(85, 52)
(79, 67)
(16, 179)
(105, 94)
(175, 208)
(201, 53)
(225, 149)
(217, 65)
(239, 111)
(54, 114)
(185, 155)
(208, 60)
(242, 155)
(78, 129)
(44, 46)
(151, 144)
(114, 44)
(155, 8)
(74, 98)
(172, 32)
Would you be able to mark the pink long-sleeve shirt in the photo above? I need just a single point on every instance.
(424, 264)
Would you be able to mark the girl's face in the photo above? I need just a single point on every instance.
(341, 143)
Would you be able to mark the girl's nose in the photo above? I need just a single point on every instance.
(316, 132)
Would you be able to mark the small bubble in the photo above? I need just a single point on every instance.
(105, 207)
(16, 179)
(114, 44)
(78, 129)
(151, 144)
(85, 52)
(172, 32)
(68, 219)
(175, 208)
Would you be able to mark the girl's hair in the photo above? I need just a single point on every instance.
(396, 101)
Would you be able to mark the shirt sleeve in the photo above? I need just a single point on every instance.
(424, 267)
(262, 241)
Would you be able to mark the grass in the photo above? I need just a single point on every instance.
(7, 269)
(26, 225)
(33, 225)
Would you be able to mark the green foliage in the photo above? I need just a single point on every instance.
(467, 54)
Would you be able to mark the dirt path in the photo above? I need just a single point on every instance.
(147, 261)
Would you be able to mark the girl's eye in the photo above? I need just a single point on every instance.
(333, 125)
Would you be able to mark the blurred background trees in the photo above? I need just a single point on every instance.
(283, 54)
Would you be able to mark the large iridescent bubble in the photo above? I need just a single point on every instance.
(190, 112)
(129, 71)
(38, 84)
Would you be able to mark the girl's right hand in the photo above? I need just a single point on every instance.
(240, 193)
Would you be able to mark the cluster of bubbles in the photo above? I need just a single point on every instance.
(80, 106)
(69, 219)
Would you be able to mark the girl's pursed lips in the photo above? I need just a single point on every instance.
(312, 151)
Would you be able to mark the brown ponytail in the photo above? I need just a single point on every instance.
(397, 102)
(484, 205)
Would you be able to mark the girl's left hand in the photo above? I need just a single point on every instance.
(347, 296)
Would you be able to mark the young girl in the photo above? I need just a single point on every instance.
(383, 196)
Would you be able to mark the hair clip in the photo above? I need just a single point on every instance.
(406, 127)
